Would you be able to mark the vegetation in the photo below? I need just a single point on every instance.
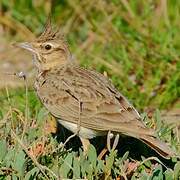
(137, 44)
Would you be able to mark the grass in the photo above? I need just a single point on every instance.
(137, 45)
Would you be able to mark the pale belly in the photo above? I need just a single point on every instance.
(84, 132)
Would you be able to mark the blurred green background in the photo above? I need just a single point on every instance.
(136, 43)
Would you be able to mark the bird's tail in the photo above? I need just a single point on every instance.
(160, 147)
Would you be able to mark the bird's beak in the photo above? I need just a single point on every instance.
(25, 45)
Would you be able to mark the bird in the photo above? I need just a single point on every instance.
(83, 100)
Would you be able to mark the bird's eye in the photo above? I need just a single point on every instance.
(47, 46)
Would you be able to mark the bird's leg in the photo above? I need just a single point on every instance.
(115, 143)
(85, 144)
(109, 137)
(108, 148)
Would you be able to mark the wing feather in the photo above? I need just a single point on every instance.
(103, 107)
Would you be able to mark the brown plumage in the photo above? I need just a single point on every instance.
(62, 86)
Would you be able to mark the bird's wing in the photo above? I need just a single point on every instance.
(74, 93)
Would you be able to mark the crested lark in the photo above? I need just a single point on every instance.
(83, 98)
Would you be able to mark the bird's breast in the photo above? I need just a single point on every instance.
(84, 132)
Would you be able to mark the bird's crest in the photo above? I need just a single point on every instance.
(49, 33)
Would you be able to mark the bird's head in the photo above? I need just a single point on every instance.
(49, 50)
